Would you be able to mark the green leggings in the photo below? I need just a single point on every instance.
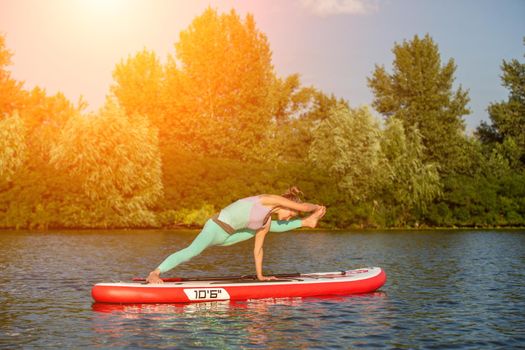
(212, 234)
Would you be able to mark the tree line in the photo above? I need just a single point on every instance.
(176, 141)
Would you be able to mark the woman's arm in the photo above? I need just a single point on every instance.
(274, 201)
(258, 253)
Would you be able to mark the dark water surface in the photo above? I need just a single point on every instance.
(445, 289)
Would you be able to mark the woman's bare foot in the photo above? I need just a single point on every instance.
(154, 277)
(311, 221)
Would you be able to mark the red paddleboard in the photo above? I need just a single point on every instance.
(184, 290)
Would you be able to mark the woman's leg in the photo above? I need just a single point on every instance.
(211, 234)
(275, 226)
(238, 236)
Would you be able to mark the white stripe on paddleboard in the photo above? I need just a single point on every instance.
(351, 275)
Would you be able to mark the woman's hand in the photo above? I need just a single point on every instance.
(266, 278)
(154, 277)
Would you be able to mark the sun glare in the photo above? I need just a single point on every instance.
(101, 6)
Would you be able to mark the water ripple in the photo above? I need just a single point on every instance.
(454, 290)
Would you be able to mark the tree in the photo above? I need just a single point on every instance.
(347, 145)
(11, 93)
(30, 119)
(508, 117)
(13, 150)
(32, 197)
(138, 87)
(222, 103)
(419, 93)
(298, 110)
(114, 161)
(411, 183)
(381, 175)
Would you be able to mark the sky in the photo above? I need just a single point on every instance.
(72, 46)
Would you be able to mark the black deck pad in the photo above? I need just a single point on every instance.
(235, 281)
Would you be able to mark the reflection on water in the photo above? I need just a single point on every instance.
(253, 304)
(275, 322)
(452, 289)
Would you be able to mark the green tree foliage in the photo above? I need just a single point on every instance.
(40, 187)
(287, 129)
(115, 160)
(419, 92)
(216, 103)
(13, 152)
(492, 189)
(491, 194)
(411, 183)
(138, 86)
(44, 117)
(11, 93)
(222, 105)
(347, 144)
(381, 172)
(508, 117)
(298, 111)
(187, 217)
(28, 199)
(492, 197)
(176, 142)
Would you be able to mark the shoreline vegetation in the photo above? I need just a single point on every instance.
(196, 229)
(356, 228)
(178, 140)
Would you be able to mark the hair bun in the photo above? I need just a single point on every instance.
(293, 193)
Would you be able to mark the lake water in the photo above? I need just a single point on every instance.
(445, 289)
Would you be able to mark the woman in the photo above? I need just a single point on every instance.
(242, 220)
